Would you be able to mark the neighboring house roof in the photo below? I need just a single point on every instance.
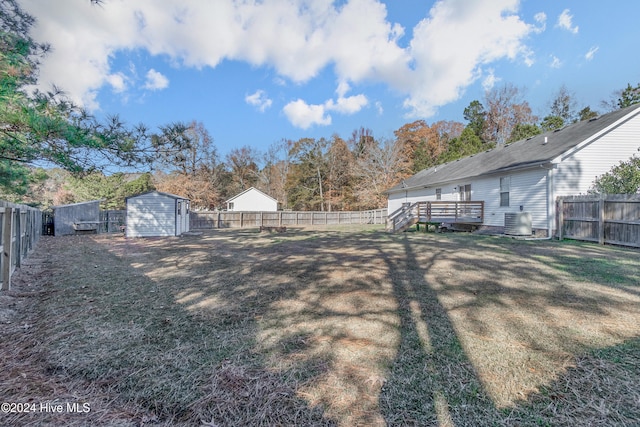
(246, 191)
(173, 196)
(541, 149)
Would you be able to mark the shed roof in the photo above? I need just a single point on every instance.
(76, 204)
(530, 152)
(246, 191)
(173, 196)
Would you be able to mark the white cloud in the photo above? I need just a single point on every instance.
(304, 115)
(155, 80)
(541, 19)
(490, 80)
(592, 52)
(259, 99)
(346, 104)
(565, 21)
(555, 62)
(452, 45)
(379, 108)
(118, 82)
(296, 38)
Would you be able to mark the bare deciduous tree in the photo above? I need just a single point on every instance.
(505, 109)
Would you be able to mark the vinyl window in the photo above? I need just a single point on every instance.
(505, 188)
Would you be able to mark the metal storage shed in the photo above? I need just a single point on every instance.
(157, 214)
(76, 218)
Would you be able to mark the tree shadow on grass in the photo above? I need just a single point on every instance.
(117, 327)
(432, 382)
(291, 285)
(602, 389)
(319, 318)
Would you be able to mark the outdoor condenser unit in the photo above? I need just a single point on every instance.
(517, 223)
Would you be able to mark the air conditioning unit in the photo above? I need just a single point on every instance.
(517, 224)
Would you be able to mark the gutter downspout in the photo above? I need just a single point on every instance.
(551, 200)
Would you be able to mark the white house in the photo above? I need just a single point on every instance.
(528, 175)
(157, 214)
(252, 199)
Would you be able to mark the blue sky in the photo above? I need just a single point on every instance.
(257, 72)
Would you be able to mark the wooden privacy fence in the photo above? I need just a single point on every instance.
(111, 221)
(229, 219)
(613, 219)
(21, 227)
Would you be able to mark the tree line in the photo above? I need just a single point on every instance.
(333, 173)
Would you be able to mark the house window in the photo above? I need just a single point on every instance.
(465, 192)
(179, 208)
(230, 206)
(505, 187)
(438, 193)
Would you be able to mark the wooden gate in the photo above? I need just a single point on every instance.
(47, 223)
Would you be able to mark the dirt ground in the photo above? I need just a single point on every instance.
(322, 327)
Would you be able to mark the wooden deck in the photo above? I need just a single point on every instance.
(436, 212)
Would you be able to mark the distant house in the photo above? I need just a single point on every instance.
(157, 214)
(76, 218)
(528, 175)
(252, 199)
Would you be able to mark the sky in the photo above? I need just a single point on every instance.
(255, 72)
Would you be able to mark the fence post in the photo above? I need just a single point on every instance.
(560, 218)
(601, 204)
(7, 234)
(18, 231)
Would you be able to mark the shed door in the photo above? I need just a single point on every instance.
(178, 217)
(185, 218)
(182, 217)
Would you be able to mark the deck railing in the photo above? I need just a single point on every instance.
(463, 212)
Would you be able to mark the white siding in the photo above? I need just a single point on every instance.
(396, 200)
(577, 171)
(150, 215)
(253, 200)
(528, 189)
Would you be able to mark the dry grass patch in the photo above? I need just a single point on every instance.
(323, 327)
